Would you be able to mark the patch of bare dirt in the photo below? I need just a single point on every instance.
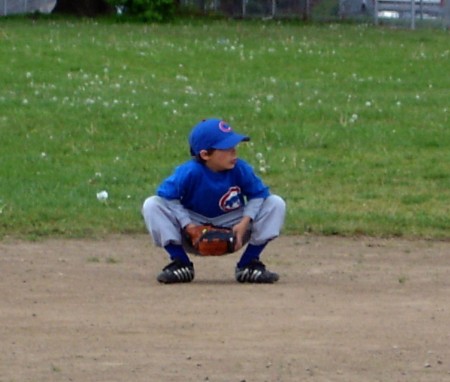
(344, 310)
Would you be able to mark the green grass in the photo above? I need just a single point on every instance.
(349, 123)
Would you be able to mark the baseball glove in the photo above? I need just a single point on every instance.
(209, 240)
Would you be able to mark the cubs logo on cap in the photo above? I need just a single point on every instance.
(223, 126)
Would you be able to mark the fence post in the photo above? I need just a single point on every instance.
(307, 10)
(375, 12)
(445, 5)
(413, 14)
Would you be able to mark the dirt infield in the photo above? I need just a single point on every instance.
(344, 310)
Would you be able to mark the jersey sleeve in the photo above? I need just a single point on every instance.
(252, 185)
(172, 187)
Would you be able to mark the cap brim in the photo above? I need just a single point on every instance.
(231, 141)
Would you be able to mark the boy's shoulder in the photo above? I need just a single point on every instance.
(191, 166)
(191, 163)
(244, 165)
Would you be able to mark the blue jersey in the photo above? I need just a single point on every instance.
(210, 193)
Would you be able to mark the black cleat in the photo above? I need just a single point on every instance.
(256, 272)
(177, 272)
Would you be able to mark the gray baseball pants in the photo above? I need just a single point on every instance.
(164, 227)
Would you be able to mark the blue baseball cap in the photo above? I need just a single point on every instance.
(213, 134)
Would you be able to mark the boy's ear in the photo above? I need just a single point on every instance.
(204, 154)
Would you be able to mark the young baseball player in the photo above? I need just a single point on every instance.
(214, 187)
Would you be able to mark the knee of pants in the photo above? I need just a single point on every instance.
(274, 208)
(151, 210)
(149, 204)
(277, 203)
(160, 222)
(148, 207)
(269, 222)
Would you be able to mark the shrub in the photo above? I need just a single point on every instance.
(145, 10)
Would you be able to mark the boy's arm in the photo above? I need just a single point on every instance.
(179, 212)
(251, 209)
(239, 231)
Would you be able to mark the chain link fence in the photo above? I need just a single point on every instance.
(409, 13)
(397, 12)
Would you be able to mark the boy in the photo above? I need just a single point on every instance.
(214, 187)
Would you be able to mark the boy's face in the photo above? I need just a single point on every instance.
(220, 160)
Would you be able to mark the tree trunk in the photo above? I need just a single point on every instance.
(90, 8)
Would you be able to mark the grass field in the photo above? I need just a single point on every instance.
(349, 123)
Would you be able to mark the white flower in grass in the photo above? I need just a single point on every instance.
(24, 101)
(368, 103)
(102, 196)
(269, 97)
(188, 90)
(28, 75)
(262, 162)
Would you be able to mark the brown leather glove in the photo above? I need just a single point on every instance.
(209, 240)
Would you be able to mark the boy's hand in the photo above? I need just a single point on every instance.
(239, 231)
(192, 231)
